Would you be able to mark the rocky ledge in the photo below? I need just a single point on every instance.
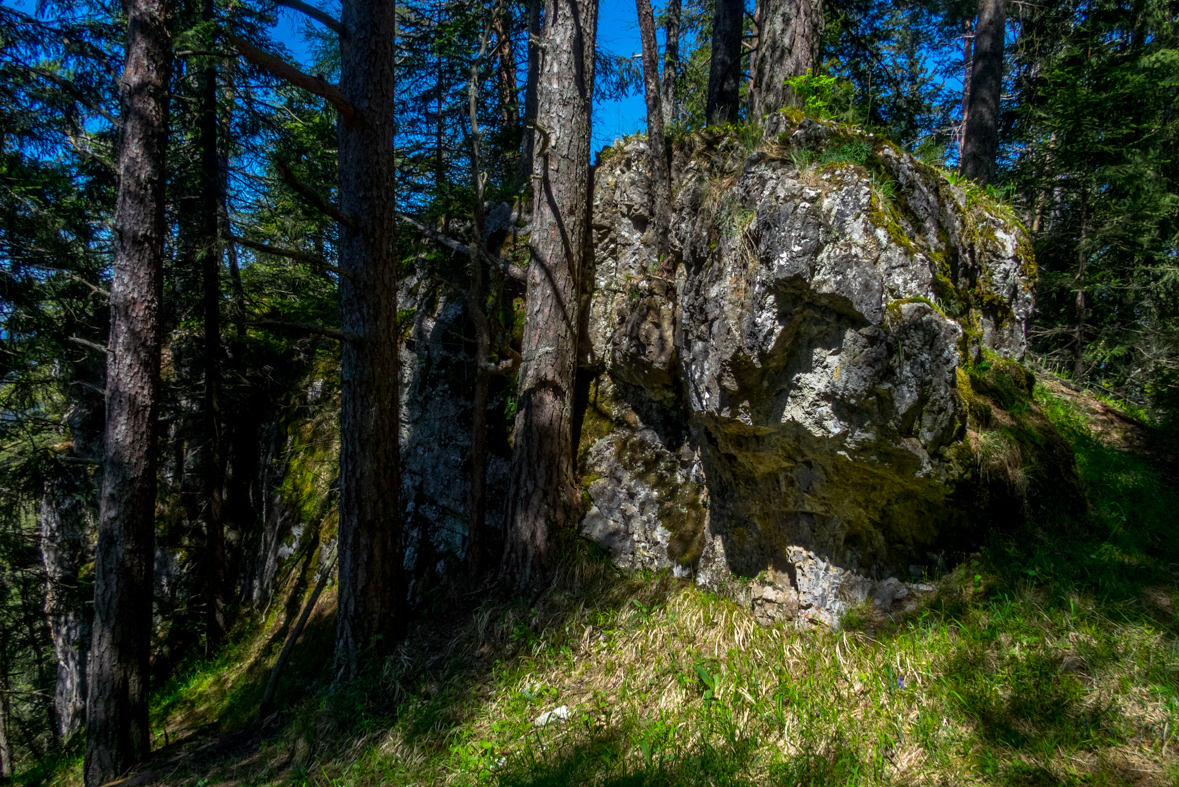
(777, 405)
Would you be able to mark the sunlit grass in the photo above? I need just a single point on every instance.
(1049, 657)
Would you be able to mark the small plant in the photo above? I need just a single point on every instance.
(823, 97)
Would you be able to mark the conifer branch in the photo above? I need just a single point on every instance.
(299, 256)
(312, 197)
(314, 13)
(285, 71)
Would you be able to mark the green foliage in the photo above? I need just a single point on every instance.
(824, 97)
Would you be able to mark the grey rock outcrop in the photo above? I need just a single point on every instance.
(786, 405)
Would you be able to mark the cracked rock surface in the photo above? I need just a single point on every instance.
(778, 398)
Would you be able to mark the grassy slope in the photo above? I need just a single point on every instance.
(1049, 658)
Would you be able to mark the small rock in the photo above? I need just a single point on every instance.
(556, 714)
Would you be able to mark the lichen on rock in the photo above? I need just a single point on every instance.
(786, 404)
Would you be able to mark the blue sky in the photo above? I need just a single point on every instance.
(618, 33)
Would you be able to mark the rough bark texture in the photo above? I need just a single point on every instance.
(116, 718)
(67, 520)
(208, 251)
(506, 71)
(967, 67)
(541, 492)
(724, 74)
(671, 60)
(660, 170)
(980, 142)
(533, 78)
(371, 552)
(789, 44)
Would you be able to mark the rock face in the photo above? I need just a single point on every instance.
(780, 399)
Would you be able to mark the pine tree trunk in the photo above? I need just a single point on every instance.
(117, 734)
(209, 262)
(671, 61)
(542, 494)
(980, 143)
(534, 7)
(660, 196)
(506, 72)
(790, 43)
(370, 618)
(967, 69)
(724, 73)
(66, 522)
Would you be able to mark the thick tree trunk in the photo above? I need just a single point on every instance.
(790, 43)
(542, 493)
(529, 145)
(66, 524)
(370, 618)
(660, 196)
(671, 61)
(980, 143)
(117, 734)
(209, 261)
(724, 73)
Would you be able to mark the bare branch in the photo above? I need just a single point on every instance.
(314, 13)
(513, 271)
(298, 256)
(87, 343)
(284, 70)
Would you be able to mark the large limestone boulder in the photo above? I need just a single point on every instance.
(780, 398)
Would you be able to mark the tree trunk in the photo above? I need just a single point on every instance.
(790, 43)
(371, 554)
(209, 262)
(477, 489)
(117, 734)
(506, 73)
(660, 196)
(1079, 331)
(6, 766)
(980, 143)
(724, 73)
(542, 494)
(66, 521)
(671, 61)
(529, 145)
(967, 69)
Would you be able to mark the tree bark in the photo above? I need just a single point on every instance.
(1080, 305)
(967, 69)
(529, 145)
(506, 73)
(477, 490)
(542, 494)
(66, 522)
(371, 595)
(660, 196)
(790, 43)
(6, 766)
(724, 73)
(208, 248)
(980, 143)
(671, 61)
(117, 734)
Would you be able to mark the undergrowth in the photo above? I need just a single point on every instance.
(1050, 657)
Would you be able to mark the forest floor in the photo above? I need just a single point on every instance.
(1047, 658)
